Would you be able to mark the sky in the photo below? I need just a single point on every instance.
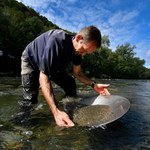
(124, 21)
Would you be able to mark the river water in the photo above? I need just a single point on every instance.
(131, 132)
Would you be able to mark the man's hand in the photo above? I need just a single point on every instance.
(62, 119)
(101, 89)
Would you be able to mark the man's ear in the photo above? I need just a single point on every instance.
(78, 37)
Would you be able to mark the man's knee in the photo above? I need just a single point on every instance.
(70, 87)
(30, 86)
(66, 82)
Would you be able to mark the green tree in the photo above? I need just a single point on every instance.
(4, 23)
(126, 50)
(18, 26)
(105, 41)
(128, 66)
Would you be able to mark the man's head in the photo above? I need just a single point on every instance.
(87, 40)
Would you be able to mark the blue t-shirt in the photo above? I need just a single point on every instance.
(52, 52)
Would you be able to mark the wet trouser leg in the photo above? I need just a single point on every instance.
(30, 85)
(30, 82)
(66, 82)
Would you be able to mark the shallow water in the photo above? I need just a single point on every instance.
(132, 131)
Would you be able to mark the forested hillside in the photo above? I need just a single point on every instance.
(20, 24)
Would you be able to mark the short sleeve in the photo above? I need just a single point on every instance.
(50, 58)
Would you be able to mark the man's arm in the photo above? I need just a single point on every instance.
(61, 118)
(100, 88)
(81, 76)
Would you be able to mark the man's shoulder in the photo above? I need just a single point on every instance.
(56, 32)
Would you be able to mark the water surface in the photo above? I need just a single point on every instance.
(132, 131)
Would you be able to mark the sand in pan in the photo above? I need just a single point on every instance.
(92, 115)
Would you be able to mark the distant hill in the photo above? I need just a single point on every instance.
(18, 26)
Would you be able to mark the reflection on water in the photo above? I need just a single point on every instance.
(132, 131)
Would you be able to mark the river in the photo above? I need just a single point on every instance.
(130, 132)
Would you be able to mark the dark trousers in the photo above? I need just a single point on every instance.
(30, 83)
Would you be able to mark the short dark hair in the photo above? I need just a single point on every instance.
(91, 33)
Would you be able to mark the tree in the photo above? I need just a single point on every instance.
(105, 41)
(19, 25)
(4, 23)
(128, 66)
(126, 50)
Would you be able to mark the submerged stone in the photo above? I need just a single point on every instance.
(92, 115)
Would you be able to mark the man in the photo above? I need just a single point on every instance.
(45, 59)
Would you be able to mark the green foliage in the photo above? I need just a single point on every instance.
(146, 73)
(105, 41)
(19, 25)
(128, 65)
(126, 51)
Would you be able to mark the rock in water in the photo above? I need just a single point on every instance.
(92, 115)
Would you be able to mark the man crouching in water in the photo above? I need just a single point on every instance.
(45, 59)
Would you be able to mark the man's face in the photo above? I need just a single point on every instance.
(82, 48)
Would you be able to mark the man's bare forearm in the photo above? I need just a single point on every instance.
(81, 76)
(61, 118)
(47, 92)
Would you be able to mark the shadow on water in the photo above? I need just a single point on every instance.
(132, 131)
